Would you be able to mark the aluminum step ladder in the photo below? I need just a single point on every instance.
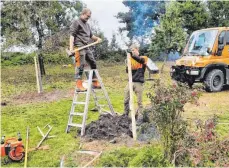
(76, 103)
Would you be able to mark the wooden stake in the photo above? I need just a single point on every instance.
(38, 75)
(131, 97)
(92, 160)
(26, 147)
(44, 136)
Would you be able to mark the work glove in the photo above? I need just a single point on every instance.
(70, 53)
(99, 40)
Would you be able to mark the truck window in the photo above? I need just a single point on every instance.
(221, 38)
(227, 38)
(221, 42)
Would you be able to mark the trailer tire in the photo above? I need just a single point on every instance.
(214, 81)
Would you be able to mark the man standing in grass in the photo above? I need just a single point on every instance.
(80, 35)
(138, 66)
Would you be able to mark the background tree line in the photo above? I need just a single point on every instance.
(169, 24)
(159, 27)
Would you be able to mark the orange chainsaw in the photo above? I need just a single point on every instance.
(12, 148)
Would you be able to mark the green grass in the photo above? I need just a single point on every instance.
(16, 117)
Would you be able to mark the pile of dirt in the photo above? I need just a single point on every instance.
(109, 127)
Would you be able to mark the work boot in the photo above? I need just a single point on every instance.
(96, 84)
(126, 113)
(79, 86)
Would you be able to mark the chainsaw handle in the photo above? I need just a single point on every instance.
(3, 139)
(19, 136)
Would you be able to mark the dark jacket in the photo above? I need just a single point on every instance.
(81, 32)
(138, 66)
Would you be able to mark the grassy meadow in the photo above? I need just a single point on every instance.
(24, 107)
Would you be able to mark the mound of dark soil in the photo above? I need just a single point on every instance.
(109, 127)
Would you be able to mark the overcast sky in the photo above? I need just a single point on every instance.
(104, 11)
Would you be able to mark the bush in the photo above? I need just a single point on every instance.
(56, 58)
(149, 157)
(118, 158)
(203, 148)
(12, 59)
(129, 157)
(167, 106)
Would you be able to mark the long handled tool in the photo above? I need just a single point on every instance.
(80, 48)
(26, 147)
(86, 46)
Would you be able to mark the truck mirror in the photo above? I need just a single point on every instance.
(220, 40)
(220, 50)
(209, 51)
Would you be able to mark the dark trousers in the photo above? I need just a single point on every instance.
(86, 56)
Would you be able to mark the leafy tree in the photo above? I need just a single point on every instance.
(30, 22)
(219, 13)
(114, 45)
(116, 54)
(167, 106)
(104, 50)
(194, 15)
(169, 35)
(57, 42)
(100, 50)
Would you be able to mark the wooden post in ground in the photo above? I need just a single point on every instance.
(26, 147)
(132, 111)
(38, 75)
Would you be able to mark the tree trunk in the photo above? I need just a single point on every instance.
(41, 63)
(40, 57)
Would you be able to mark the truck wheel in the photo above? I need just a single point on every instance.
(214, 81)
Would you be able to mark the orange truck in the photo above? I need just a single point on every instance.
(205, 59)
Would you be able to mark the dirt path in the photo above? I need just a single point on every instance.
(34, 97)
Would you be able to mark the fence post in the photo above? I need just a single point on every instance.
(38, 75)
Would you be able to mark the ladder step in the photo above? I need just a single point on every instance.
(75, 125)
(104, 105)
(79, 103)
(100, 97)
(77, 114)
(80, 92)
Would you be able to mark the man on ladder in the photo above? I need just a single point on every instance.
(81, 35)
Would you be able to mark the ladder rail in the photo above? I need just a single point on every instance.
(87, 103)
(104, 92)
(83, 114)
(72, 110)
(95, 99)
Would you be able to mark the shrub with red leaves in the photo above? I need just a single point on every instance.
(203, 147)
(167, 103)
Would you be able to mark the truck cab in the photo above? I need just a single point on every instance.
(205, 59)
